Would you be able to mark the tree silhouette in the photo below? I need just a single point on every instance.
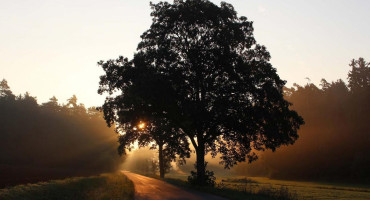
(167, 139)
(359, 76)
(73, 108)
(52, 105)
(130, 109)
(5, 92)
(222, 91)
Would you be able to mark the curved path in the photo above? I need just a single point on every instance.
(152, 189)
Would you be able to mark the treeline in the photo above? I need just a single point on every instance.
(334, 144)
(48, 141)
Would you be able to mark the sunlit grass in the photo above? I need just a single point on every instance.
(241, 187)
(314, 190)
(107, 186)
(234, 193)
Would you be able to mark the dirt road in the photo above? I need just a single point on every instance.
(152, 189)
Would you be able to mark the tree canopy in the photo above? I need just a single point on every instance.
(220, 88)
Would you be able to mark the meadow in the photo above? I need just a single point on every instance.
(106, 186)
(304, 190)
(235, 187)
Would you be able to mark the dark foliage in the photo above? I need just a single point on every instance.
(200, 68)
(43, 142)
(228, 97)
(359, 76)
(135, 86)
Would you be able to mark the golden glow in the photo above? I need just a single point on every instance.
(141, 125)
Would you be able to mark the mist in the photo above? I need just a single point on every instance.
(334, 142)
(49, 141)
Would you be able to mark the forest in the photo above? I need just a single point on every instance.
(51, 140)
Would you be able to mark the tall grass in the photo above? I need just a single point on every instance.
(107, 186)
(236, 191)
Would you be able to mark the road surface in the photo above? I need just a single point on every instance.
(153, 189)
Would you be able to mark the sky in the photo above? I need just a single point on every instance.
(51, 47)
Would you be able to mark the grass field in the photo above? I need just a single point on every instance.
(107, 186)
(264, 187)
(236, 193)
(319, 191)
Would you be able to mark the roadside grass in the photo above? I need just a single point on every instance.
(231, 188)
(317, 190)
(229, 191)
(106, 186)
(239, 187)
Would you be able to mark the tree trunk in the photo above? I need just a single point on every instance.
(201, 168)
(161, 161)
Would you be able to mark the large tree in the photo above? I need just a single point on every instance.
(221, 89)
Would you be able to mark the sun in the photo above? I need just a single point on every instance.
(141, 125)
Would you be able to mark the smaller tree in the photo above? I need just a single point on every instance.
(359, 76)
(52, 105)
(157, 134)
(29, 101)
(136, 119)
(5, 91)
(73, 108)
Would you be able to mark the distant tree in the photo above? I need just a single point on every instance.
(325, 85)
(72, 102)
(52, 105)
(27, 98)
(337, 88)
(5, 91)
(222, 91)
(72, 107)
(359, 76)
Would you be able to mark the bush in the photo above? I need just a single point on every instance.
(210, 179)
